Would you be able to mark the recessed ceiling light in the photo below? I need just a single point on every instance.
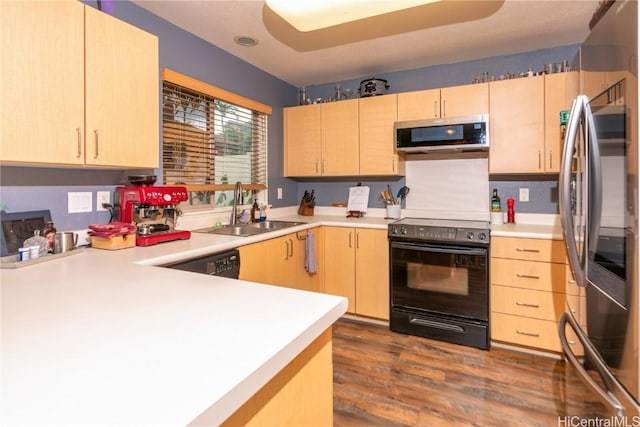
(246, 40)
(309, 15)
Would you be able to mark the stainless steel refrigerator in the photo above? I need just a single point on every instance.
(598, 194)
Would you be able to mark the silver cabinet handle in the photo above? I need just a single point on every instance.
(435, 109)
(550, 159)
(286, 250)
(526, 276)
(444, 108)
(322, 169)
(524, 304)
(529, 334)
(527, 250)
(95, 137)
(350, 239)
(357, 240)
(291, 248)
(539, 159)
(79, 151)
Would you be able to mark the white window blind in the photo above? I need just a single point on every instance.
(210, 143)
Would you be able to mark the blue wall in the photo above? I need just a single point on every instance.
(29, 188)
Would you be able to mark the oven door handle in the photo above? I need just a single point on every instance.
(438, 249)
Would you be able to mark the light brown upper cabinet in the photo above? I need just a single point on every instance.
(79, 88)
(302, 140)
(344, 138)
(516, 126)
(378, 155)
(452, 101)
(560, 90)
(321, 139)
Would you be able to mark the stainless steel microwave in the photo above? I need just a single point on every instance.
(467, 133)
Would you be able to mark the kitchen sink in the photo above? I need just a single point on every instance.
(274, 225)
(251, 229)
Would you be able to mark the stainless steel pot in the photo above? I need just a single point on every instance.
(372, 87)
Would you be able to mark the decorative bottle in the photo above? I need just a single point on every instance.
(495, 201)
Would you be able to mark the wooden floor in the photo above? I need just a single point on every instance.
(382, 378)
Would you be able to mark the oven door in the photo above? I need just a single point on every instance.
(451, 280)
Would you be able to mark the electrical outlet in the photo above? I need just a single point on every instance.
(279, 193)
(524, 194)
(102, 197)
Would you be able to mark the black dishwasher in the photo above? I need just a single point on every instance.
(224, 264)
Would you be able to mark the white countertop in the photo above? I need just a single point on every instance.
(108, 338)
(100, 338)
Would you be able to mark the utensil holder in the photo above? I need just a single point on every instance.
(393, 211)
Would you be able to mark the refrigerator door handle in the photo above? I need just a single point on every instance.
(605, 395)
(566, 214)
(594, 175)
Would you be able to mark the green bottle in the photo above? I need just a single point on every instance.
(495, 201)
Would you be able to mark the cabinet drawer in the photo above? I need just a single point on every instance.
(528, 303)
(543, 276)
(535, 333)
(528, 249)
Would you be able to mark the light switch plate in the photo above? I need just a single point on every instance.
(524, 194)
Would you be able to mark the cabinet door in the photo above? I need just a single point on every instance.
(419, 104)
(560, 90)
(263, 262)
(464, 100)
(293, 273)
(302, 140)
(122, 110)
(340, 139)
(339, 261)
(516, 125)
(377, 147)
(372, 273)
(42, 82)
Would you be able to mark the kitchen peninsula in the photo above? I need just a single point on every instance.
(99, 338)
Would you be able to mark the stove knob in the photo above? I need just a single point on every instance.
(470, 235)
(403, 230)
(167, 197)
(482, 237)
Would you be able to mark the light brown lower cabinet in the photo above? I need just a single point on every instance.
(280, 261)
(356, 266)
(530, 289)
(299, 395)
(352, 262)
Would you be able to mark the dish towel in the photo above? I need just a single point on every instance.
(310, 261)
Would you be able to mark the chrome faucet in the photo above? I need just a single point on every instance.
(237, 197)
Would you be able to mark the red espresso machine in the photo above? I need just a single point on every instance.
(154, 210)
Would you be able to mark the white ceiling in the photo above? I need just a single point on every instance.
(441, 33)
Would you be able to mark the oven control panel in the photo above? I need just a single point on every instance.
(438, 234)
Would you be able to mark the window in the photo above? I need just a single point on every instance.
(212, 139)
